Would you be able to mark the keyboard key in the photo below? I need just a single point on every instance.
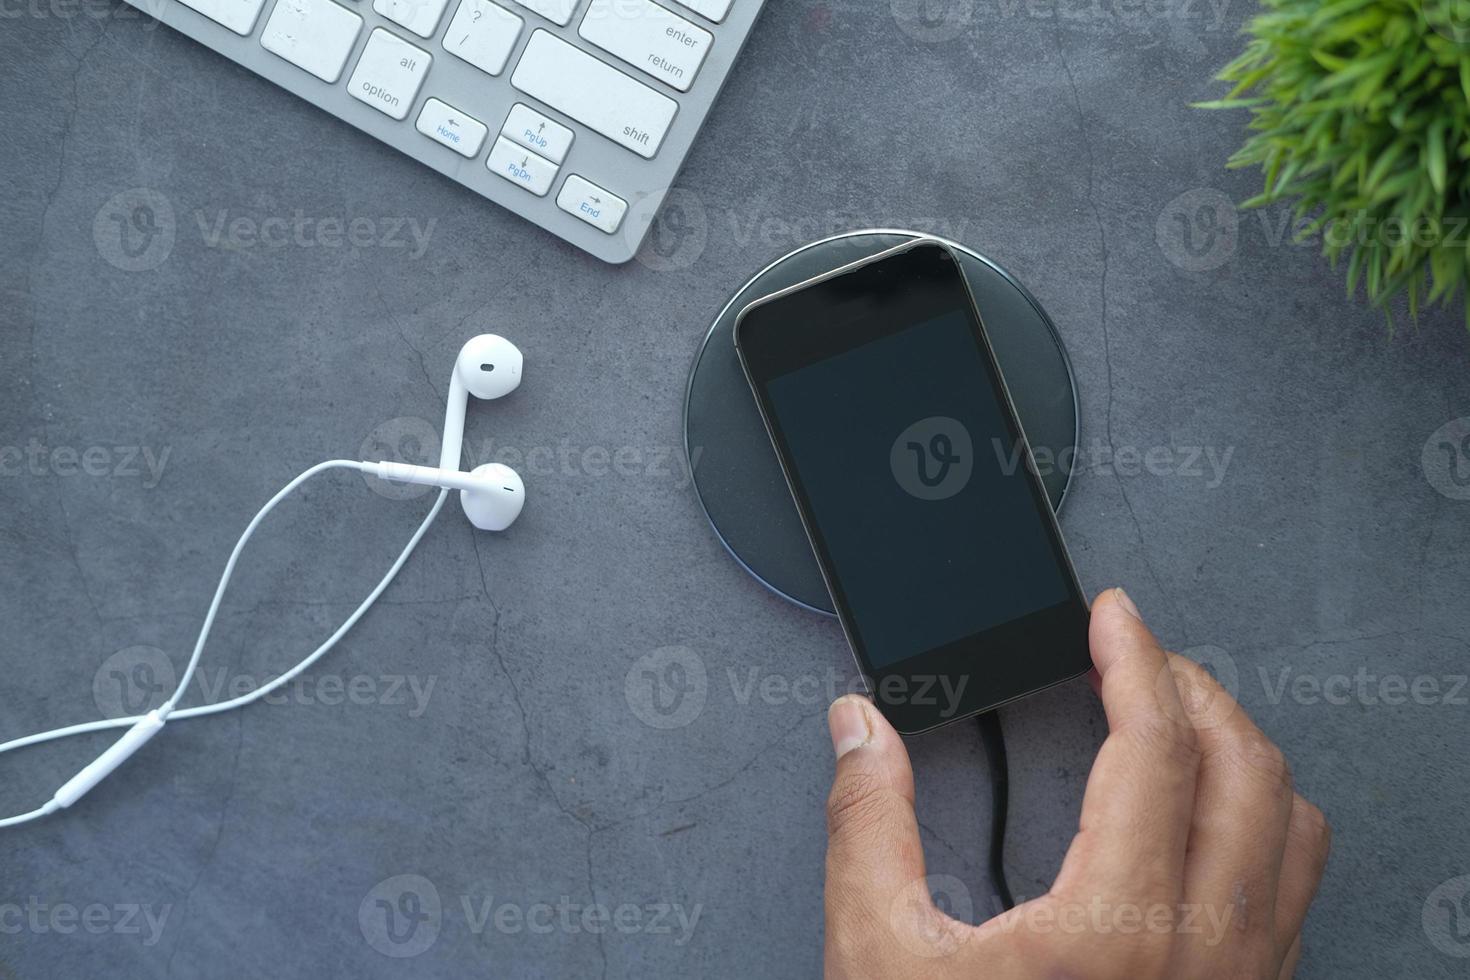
(520, 166)
(238, 15)
(389, 73)
(419, 16)
(535, 132)
(484, 34)
(445, 124)
(559, 12)
(595, 94)
(592, 204)
(648, 37)
(715, 10)
(314, 35)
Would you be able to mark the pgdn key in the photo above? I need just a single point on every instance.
(520, 166)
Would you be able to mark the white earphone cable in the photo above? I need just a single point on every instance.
(148, 724)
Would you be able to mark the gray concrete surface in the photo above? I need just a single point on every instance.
(484, 728)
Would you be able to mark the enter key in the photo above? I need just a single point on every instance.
(649, 37)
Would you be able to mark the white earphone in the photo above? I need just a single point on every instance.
(491, 495)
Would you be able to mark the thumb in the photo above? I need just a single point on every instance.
(874, 857)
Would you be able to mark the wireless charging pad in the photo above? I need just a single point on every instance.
(736, 474)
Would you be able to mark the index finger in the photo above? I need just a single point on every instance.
(1134, 829)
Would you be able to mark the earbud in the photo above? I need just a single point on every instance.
(488, 367)
(491, 495)
(496, 504)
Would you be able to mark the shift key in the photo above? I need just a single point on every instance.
(594, 93)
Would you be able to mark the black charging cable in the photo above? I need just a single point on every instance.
(995, 755)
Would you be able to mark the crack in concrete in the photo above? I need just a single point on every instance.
(219, 832)
(1106, 335)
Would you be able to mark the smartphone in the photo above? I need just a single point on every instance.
(913, 478)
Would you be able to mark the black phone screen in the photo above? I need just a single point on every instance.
(917, 489)
(904, 455)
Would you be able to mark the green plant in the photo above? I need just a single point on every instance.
(1361, 116)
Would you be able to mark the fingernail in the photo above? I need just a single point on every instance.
(1127, 604)
(847, 719)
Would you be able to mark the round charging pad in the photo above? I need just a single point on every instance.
(736, 474)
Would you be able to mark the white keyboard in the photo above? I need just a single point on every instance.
(575, 114)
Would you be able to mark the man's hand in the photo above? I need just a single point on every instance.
(1193, 857)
